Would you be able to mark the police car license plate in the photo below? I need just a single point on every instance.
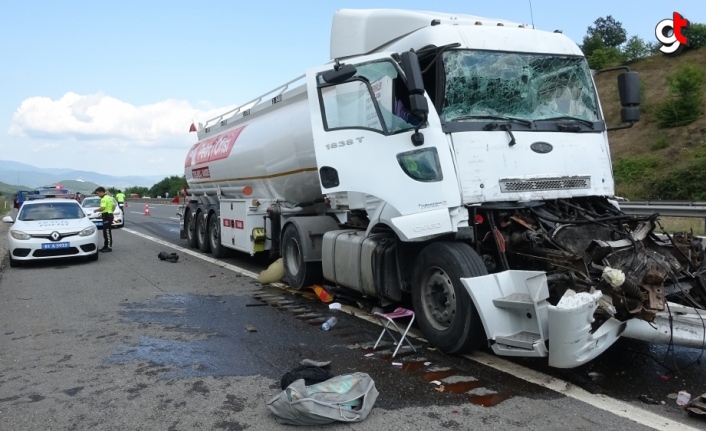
(55, 245)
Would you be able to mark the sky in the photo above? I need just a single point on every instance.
(113, 86)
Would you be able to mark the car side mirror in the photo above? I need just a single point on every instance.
(8, 219)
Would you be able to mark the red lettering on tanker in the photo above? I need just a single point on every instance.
(201, 173)
(239, 224)
(190, 156)
(214, 148)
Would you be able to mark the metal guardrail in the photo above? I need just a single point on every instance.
(666, 208)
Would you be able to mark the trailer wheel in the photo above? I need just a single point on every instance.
(444, 310)
(298, 273)
(202, 234)
(214, 237)
(190, 226)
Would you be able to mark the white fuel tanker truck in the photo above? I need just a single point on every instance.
(457, 163)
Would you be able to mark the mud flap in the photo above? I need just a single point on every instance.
(571, 342)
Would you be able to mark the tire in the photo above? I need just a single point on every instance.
(93, 257)
(202, 234)
(14, 263)
(214, 237)
(298, 274)
(190, 226)
(444, 310)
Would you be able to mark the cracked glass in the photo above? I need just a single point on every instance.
(520, 85)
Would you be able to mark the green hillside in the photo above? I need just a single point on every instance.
(652, 162)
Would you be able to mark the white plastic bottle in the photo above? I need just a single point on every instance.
(328, 324)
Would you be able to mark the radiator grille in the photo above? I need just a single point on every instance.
(514, 186)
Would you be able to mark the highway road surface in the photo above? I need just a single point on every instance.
(132, 342)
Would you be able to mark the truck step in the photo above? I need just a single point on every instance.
(522, 340)
(520, 301)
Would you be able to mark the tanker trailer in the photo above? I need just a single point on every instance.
(457, 163)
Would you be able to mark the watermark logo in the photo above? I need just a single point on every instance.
(670, 32)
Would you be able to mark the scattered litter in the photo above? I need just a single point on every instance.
(212, 276)
(672, 396)
(683, 398)
(170, 257)
(256, 304)
(664, 377)
(454, 412)
(353, 346)
(315, 363)
(440, 388)
(273, 273)
(323, 295)
(250, 328)
(697, 406)
(436, 382)
(369, 354)
(334, 306)
(222, 302)
(397, 364)
(595, 376)
(431, 348)
(646, 399)
(426, 364)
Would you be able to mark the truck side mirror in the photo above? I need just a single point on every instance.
(415, 84)
(629, 90)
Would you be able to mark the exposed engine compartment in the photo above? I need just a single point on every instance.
(588, 243)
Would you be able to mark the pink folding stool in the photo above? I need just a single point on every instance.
(386, 318)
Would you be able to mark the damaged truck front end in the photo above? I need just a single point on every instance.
(568, 277)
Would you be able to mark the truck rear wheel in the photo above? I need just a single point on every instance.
(298, 273)
(214, 237)
(190, 226)
(202, 234)
(443, 308)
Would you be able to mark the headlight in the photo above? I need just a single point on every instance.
(18, 234)
(88, 231)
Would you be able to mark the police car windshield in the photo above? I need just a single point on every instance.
(50, 211)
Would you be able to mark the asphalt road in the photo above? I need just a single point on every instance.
(132, 342)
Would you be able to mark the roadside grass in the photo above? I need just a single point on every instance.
(682, 224)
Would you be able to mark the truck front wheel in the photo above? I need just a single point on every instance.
(202, 233)
(298, 273)
(444, 310)
(190, 226)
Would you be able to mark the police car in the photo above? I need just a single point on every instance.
(51, 228)
(91, 203)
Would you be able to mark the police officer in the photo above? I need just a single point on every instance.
(120, 197)
(106, 209)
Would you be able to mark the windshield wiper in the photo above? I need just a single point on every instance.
(522, 121)
(568, 128)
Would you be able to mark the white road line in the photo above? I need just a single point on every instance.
(616, 407)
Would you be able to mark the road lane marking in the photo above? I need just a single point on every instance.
(599, 401)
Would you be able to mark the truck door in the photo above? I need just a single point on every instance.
(362, 138)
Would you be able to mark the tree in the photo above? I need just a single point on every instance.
(697, 35)
(610, 31)
(591, 44)
(635, 49)
(172, 185)
(605, 57)
(139, 191)
(685, 103)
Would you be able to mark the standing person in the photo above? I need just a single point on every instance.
(120, 197)
(106, 209)
(15, 206)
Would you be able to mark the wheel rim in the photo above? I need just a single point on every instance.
(215, 234)
(201, 231)
(189, 223)
(438, 298)
(292, 256)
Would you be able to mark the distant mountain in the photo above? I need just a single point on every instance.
(32, 176)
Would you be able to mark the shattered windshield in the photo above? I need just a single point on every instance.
(518, 85)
